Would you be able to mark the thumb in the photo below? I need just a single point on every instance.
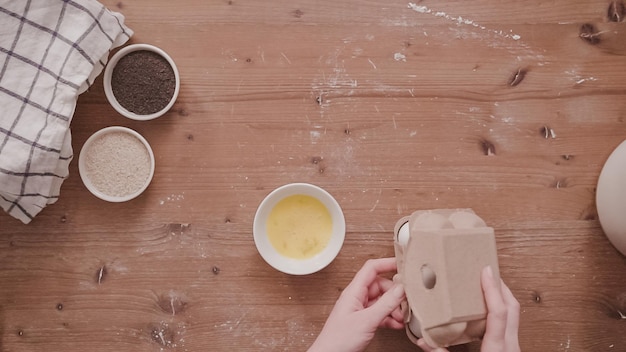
(386, 304)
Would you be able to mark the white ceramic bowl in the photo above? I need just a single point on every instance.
(84, 175)
(108, 73)
(298, 266)
(611, 198)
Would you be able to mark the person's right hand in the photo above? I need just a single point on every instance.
(502, 318)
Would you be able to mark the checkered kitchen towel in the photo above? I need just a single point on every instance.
(50, 52)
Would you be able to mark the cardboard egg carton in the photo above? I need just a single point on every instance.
(441, 254)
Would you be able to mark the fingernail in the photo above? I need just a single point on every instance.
(489, 271)
(398, 290)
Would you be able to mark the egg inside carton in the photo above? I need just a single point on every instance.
(440, 255)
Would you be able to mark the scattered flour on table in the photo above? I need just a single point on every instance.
(399, 57)
(577, 78)
(337, 82)
(117, 164)
(460, 20)
(173, 198)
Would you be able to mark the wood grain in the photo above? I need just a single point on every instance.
(506, 107)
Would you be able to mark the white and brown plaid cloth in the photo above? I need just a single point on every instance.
(50, 52)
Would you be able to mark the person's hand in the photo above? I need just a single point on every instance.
(502, 317)
(370, 301)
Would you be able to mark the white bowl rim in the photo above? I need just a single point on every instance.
(610, 197)
(108, 73)
(82, 161)
(299, 266)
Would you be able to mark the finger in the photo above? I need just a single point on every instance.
(380, 286)
(421, 343)
(371, 302)
(386, 304)
(391, 323)
(513, 316)
(496, 312)
(512, 304)
(397, 314)
(375, 291)
(369, 272)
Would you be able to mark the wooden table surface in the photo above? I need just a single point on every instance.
(507, 107)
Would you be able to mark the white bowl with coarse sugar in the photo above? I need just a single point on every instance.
(116, 164)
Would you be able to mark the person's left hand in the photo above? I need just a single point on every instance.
(369, 302)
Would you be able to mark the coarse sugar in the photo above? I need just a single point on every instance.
(117, 164)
